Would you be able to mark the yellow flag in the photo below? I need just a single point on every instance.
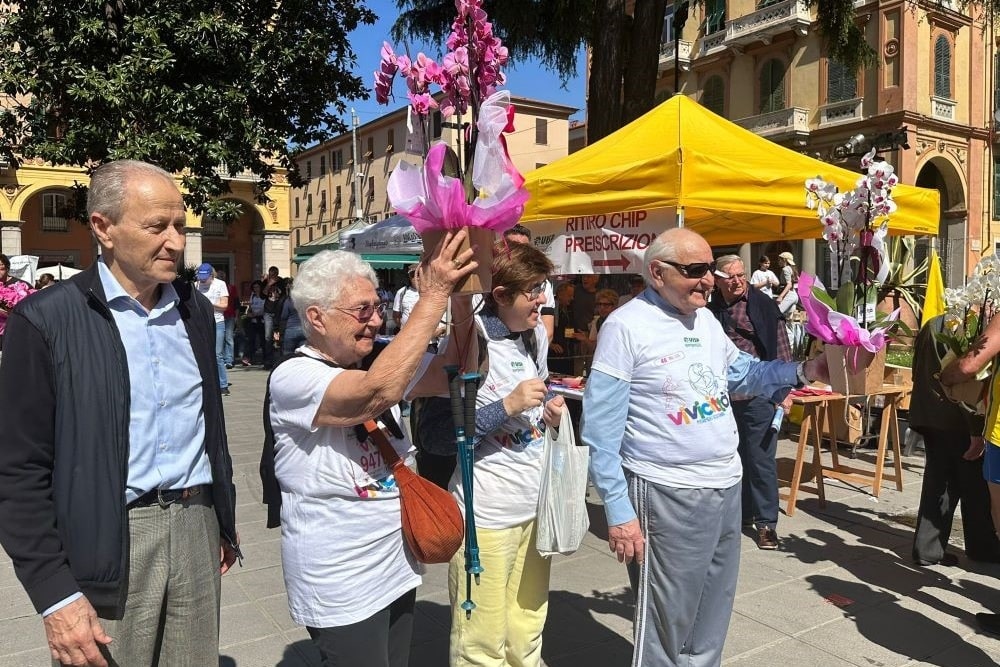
(934, 299)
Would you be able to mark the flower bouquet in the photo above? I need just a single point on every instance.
(10, 295)
(967, 312)
(480, 190)
(855, 224)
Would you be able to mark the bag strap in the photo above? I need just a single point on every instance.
(375, 434)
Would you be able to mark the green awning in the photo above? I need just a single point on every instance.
(390, 261)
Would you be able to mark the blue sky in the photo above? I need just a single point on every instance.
(527, 79)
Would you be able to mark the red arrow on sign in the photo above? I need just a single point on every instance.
(621, 261)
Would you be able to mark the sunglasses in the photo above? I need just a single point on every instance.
(364, 313)
(695, 270)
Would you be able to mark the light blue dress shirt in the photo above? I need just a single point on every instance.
(606, 405)
(167, 424)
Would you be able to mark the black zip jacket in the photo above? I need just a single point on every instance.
(64, 410)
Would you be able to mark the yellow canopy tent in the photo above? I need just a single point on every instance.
(733, 187)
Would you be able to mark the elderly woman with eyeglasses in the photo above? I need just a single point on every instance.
(513, 410)
(349, 575)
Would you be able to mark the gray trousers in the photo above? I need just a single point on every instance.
(685, 587)
(174, 589)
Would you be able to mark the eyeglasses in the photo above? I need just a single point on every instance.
(605, 303)
(364, 313)
(535, 291)
(695, 270)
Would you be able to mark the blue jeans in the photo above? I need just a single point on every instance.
(227, 350)
(294, 337)
(220, 344)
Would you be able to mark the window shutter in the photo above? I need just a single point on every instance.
(772, 86)
(942, 68)
(841, 84)
(713, 96)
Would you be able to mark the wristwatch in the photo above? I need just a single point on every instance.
(800, 373)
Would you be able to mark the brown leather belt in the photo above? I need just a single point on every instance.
(167, 497)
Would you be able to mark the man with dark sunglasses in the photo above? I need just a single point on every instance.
(663, 440)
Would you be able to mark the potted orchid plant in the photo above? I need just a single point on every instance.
(968, 310)
(481, 189)
(855, 224)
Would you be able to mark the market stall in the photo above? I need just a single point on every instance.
(595, 211)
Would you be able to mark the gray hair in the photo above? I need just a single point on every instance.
(722, 262)
(321, 279)
(109, 185)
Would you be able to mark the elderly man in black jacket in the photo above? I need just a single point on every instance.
(117, 505)
(756, 326)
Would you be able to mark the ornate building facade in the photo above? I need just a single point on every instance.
(931, 107)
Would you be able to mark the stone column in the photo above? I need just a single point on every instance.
(745, 254)
(807, 258)
(192, 248)
(275, 252)
(10, 237)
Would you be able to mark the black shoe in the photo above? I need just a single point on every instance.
(948, 560)
(989, 623)
(229, 367)
(225, 391)
(767, 538)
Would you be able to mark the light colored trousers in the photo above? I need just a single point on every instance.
(512, 601)
(686, 585)
(174, 589)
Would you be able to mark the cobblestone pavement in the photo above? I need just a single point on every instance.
(841, 591)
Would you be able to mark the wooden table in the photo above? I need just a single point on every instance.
(817, 414)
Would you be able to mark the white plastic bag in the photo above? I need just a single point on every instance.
(562, 504)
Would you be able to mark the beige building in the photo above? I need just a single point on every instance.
(33, 221)
(930, 107)
(339, 191)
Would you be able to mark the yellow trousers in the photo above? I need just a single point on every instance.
(512, 601)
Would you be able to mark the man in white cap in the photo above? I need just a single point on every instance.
(217, 292)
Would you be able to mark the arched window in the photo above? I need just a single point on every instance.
(713, 95)
(772, 86)
(942, 68)
(841, 83)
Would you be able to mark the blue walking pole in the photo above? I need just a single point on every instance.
(471, 389)
(465, 462)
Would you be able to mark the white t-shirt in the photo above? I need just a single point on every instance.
(215, 291)
(767, 277)
(508, 462)
(406, 299)
(680, 430)
(342, 546)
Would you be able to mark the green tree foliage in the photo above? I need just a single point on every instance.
(187, 85)
(623, 72)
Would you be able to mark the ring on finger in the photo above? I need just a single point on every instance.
(457, 264)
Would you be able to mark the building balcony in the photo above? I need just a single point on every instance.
(840, 112)
(712, 43)
(943, 108)
(782, 124)
(246, 175)
(767, 23)
(683, 55)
